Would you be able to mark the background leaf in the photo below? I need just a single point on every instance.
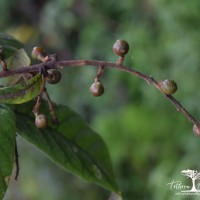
(17, 60)
(9, 44)
(7, 146)
(71, 144)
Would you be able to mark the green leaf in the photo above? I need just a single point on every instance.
(71, 144)
(21, 93)
(7, 146)
(9, 44)
(18, 59)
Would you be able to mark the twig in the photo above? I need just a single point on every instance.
(51, 108)
(4, 65)
(52, 64)
(39, 98)
(16, 161)
(99, 73)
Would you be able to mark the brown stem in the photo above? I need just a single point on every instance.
(120, 60)
(99, 73)
(73, 63)
(51, 108)
(16, 161)
(180, 108)
(39, 99)
(4, 65)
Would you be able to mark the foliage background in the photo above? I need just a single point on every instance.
(150, 143)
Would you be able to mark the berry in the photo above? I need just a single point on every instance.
(97, 89)
(38, 53)
(40, 121)
(53, 76)
(168, 87)
(121, 47)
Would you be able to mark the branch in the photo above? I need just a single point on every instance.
(52, 64)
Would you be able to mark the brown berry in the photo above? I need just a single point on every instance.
(53, 76)
(97, 89)
(121, 48)
(40, 121)
(168, 87)
(38, 53)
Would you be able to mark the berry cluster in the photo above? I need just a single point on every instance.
(120, 48)
(53, 76)
(49, 68)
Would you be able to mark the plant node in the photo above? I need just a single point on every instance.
(39, 54)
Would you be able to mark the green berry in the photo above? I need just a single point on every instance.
(40, 121)
(38, 53)
(168, 87)
(121, 48)
(54, 76)
(97, 89)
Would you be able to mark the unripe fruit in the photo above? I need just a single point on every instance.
(40, 121)
(121, 48)
(53, 76)
(38, 53)
(97, 89)
(168, 87)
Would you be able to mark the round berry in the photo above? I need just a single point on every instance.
(121, 47)
(97, 89)
(168, 87)
(53, 76)
(40, 121)
(38, 53)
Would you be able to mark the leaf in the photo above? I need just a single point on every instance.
(71, 144)
(21, 93)
(18, 59)
(9, 44)
(114, 196)
(7, 146)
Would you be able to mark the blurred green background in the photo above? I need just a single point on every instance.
(149, 141)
